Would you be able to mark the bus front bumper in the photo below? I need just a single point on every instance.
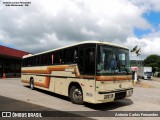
(109, 96)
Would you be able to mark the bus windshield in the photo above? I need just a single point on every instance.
(112, 60)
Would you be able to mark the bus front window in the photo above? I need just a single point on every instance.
(124, 62)
(112, 60)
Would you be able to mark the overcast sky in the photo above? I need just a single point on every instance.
(48, 24)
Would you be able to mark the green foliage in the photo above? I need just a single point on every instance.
(158, 74)
(153, 61)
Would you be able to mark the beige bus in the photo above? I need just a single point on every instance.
(90, 71)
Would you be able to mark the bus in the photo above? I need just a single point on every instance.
(89, 71)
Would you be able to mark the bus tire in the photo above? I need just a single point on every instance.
(32, 84)
(76, 95)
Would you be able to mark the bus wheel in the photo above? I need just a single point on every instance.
(32, 84)
(76, 95)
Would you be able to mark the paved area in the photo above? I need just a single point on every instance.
(9, 104)
(17, 97)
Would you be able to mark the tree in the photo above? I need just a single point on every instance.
(152, 61)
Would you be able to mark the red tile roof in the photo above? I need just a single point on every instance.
(6, 51)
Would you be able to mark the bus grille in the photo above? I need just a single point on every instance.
(149, 77)
(120, 95)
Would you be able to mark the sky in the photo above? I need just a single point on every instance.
(49, 24)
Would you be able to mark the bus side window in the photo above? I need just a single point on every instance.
(45, 59)
(32, 61)
(48, 58)
(60, 56)
(90, 61)
(28, 62)
(52, 58)
(71, 55)
(57, 57)
(80, 61)
(75, 55)
(64, 56)
(36, 61)
(39, 60)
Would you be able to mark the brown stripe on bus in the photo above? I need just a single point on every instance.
(104, 78)
(48, 70)
(25, 81)
(113, 78)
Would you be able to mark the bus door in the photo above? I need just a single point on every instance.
(87, 69)
(86, 62)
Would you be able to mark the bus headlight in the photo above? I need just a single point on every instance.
(129, 93)
(108, 96)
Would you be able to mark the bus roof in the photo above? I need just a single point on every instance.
(79, 43)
